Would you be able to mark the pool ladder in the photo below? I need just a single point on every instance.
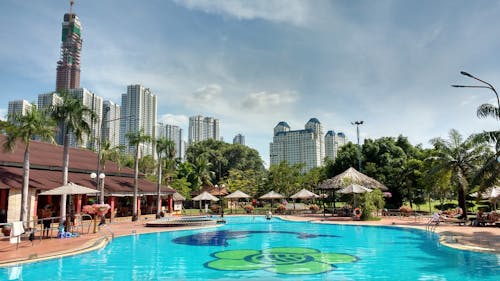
(108, 229)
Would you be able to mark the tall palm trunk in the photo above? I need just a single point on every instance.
(461, 201)
(65, 174)
(26, 180)
(158, 189)
(136, 184)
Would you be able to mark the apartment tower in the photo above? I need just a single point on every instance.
(138, 112)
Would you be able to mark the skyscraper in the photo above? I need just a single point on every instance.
(203, 128)
(332, 144)
(111, 123)
(138, 112)
(68, 66)
(299, 146)
(173, 133)
(239, 139)
(18, 107)
(94, 103)
(45, 101)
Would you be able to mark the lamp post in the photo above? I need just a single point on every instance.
(488, 86)
(357, 123)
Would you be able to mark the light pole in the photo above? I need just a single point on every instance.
(357, 123)
(488, 86)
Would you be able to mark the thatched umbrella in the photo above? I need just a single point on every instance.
(205, 196)
(354, 189)
(237, 195)
(304, 194)
(271, 195)
(349, 176)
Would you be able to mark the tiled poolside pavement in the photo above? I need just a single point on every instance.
(467, 237)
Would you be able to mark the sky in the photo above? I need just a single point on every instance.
(252, 64)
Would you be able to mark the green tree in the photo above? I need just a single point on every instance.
(202, 172)
(136, 139)
(459, 157)
(24, 128)
(284, 178)
(72, 115)
(163, 146)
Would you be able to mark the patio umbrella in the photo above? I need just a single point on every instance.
(237, 195)
(354, 189)
(271, 195)
(491, 193)
(205, 196)
(69, 189)
(304, 194)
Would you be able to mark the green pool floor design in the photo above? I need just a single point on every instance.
(279, 260)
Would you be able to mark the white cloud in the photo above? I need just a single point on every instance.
(207, 93)
(171, 119)
(287, 11)
(262, 101)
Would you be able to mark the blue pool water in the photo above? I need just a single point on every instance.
(255, 249)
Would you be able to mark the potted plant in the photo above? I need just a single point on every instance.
(248, 208)
(314, 208)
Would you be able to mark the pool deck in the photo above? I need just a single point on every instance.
(484, 239)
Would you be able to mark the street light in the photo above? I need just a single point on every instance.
(357, 123)
(488, 86)
(98, 179)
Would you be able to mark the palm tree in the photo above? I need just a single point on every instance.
(163, 146)
(136, 139)
(202, 172)
(24, 128)
(72, 115)
(459, 157)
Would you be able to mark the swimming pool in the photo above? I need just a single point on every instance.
(253, 248)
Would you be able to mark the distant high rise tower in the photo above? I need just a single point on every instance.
(18, 107)
(239, 139)
(68, 67)
(203, 128)
(94, 103)
(111, 123)
(173, 133)
(300, 146)
(333, 142)
(45, 101)
(138, 112)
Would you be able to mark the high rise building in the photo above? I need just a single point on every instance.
(111, 123)
(173, 133)
(203, 128)
(68, 66)
(138, 112)
(239, 139)
(299, 146)
(333, 142)
(45, 101)
(18, 107)
(94, 103)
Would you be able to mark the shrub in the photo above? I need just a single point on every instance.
(405, 209)
(314, 208)
(281, 208)
(248, 208)
(215, 208)
(370, 202)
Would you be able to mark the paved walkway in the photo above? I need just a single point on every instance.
(485, 239)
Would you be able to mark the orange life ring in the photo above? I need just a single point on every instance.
(357, 212)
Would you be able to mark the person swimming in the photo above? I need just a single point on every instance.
(269, 215)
